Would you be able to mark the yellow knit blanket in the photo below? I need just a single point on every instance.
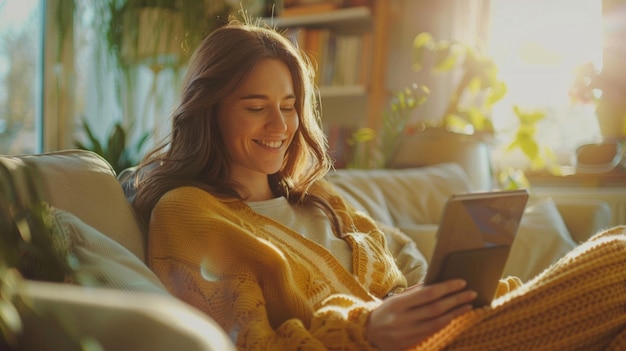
(579, 303)
(269, 288)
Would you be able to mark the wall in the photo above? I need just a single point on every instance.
(444, 19)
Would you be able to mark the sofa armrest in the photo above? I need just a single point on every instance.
(584, 218)
(84, 184)
(117, 320)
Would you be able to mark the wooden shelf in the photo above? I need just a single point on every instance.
(342, 91)
(345, 17)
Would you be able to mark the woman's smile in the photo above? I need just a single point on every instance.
(272, 144)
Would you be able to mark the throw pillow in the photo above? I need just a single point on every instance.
(542, 238)
(99, 260)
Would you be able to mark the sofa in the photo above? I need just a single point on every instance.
(129, 309)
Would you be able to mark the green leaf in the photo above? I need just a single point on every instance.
(513, 179)
(475, 85)
(422, 46)
(142, 141)
(458, 124)
(116, 151)
(423, 40)
(95, 143)
(116, 146)
(497, 92)
(363, 134)
(479, 120)
(446, 57)
(530, 148)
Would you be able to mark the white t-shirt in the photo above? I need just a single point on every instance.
(309, 221)
(313, 223)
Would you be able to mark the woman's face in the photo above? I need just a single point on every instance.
(258, 121)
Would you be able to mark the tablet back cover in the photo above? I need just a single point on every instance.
(475, 221)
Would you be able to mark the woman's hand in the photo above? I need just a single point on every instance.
(406, 319)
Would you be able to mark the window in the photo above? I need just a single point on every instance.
(103, 99)
(20, 76)
(43, 114)
(537, 46)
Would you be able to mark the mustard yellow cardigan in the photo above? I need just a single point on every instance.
(270, 288)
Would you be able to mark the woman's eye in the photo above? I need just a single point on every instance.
(255, 109)
(287, 108)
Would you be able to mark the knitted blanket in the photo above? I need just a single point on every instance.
(577, 303)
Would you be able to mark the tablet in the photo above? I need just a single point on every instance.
(474, 239)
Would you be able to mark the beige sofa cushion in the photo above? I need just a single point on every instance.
(542, 239)
(84, 184)
(98, 260)
(401, 197)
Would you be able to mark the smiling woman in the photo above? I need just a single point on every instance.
(537, 45)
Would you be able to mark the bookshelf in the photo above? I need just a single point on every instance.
(353, 84)
(351, 72)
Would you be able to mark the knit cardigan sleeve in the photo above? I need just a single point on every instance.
(204, 253)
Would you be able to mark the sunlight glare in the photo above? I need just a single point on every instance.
(544, 41)
(537, 44)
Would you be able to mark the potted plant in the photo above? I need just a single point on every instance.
(158, 34)
(133, 35)
(115, 149)
(460, 132)
(157, 31)
(477, 84)
(463, 132)
(371, 149)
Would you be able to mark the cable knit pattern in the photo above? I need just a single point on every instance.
(266, 285)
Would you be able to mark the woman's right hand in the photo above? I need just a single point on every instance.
(406, 319)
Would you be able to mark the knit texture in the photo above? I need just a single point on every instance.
(270, 288)
(266, 285)
(579, 303)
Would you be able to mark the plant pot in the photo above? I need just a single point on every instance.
(435, 145)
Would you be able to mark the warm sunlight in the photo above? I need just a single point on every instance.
(537, 45)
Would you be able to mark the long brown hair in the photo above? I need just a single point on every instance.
(194, 152)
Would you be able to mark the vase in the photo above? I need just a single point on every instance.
(437, 145)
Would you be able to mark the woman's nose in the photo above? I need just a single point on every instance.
(276, 121)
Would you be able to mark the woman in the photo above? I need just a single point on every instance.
(243, 227)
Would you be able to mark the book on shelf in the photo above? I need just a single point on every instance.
(364, 59)
(308, 7)
(339, 59)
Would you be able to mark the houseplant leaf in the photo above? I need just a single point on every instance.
(117, 147)
(95, 144)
